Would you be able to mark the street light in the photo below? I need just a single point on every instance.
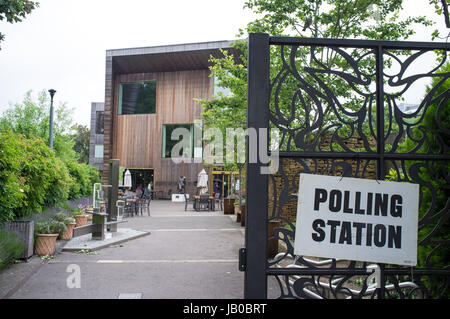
(50, 139)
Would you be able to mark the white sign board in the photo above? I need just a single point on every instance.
(357, 219)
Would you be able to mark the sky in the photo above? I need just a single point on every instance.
(62, 44)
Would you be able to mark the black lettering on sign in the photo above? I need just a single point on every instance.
(381, 204)
(333, 224)
(358, 209)
(379, 235)
(317, 226)
(395, 236)
(334, 205)
(346, 233)
(396, 206)
(319, 197)
(369, 203)
(347, 209)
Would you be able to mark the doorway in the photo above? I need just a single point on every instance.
(141, 176)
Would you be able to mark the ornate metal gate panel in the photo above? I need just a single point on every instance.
(338, 107)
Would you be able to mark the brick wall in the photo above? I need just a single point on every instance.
(285, 181)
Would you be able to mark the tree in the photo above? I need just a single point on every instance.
(81, 138)
(15, 10)
(31, 118)
(374, 19)
(441, 8)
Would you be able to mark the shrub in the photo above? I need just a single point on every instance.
(11, 247)
(63, 218)
(49, 227)
(31, 176)
(84, 176)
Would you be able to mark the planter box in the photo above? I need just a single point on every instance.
(242, 215)
(25, 229)
(228, 206)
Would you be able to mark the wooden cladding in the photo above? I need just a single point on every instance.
(137, 139)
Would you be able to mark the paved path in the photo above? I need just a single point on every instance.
(188, 254)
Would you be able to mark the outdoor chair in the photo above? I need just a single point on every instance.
(219, 201)
(203, 203)
(144, 204)
(129, 209)
(189, 200)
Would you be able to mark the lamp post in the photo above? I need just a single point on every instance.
(50, 139)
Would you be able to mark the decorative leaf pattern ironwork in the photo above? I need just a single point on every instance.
(316, 115)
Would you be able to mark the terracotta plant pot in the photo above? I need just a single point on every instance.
(45, 244)
(69, 231)
(81, 220)
(89, 216)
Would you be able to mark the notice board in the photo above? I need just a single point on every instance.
(357, 219)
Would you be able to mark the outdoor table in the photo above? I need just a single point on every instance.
(210, 203)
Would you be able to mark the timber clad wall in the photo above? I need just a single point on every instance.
(138, 138)
(182, 75)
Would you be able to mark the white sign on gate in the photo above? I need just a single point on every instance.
(357, 219)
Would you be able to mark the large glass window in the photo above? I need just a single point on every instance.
(137, 97)
(99, 120)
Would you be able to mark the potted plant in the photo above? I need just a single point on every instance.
(70, 223)
(47, 231)
(80, 217)
(89, 211)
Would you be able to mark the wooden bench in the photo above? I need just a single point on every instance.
(98, 227)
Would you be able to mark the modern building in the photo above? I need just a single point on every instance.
(150, 92)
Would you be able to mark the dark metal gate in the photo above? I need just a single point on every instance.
(339, 106)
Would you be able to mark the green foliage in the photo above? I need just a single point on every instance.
(64, 218)
(15, 10)
(49, 226)
(433, 177)
(378, 19)
(11, 247)
(436, 176)
(84, 177)
(81, 138)
(367, 19)
(31, 118)
(31, 176)
(77, 212)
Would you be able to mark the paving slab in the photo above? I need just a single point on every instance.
(184, 255)
(86, 241)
